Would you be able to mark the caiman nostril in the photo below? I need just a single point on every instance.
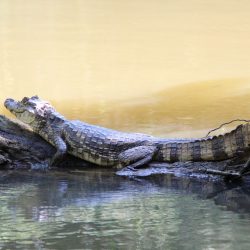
(8, 101)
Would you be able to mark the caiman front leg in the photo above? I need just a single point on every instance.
(138, 156)
(61, 149)
(56, 138)
(246, 169)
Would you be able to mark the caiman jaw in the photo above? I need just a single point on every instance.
(13, 106)
(21, 112)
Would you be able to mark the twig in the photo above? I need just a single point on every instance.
(226, 123)
(218, 172)
(245, 170)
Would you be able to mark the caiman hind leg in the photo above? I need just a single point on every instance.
(138, 156)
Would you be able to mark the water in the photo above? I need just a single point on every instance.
(98, 210)
(167, 68)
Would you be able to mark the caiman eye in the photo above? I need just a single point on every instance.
(25, 100)
(32, 104)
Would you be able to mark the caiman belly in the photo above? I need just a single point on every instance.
(100, 145)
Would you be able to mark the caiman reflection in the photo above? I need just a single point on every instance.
(98, 210)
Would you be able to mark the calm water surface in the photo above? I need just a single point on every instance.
(168, 68)
(98, 210)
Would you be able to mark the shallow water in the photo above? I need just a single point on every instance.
(167, 68)
(98, 210)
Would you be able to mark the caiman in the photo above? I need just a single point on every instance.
(107, 147)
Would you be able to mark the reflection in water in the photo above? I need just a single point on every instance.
(98, 210)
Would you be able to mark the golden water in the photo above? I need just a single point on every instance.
(169, 68)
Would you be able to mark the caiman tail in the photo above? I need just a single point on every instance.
(214, 148)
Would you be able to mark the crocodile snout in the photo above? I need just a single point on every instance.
(10, 104)
(8, 101)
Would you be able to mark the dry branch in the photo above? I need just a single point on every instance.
(226, 123)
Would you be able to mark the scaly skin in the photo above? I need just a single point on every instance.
(107, 147)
